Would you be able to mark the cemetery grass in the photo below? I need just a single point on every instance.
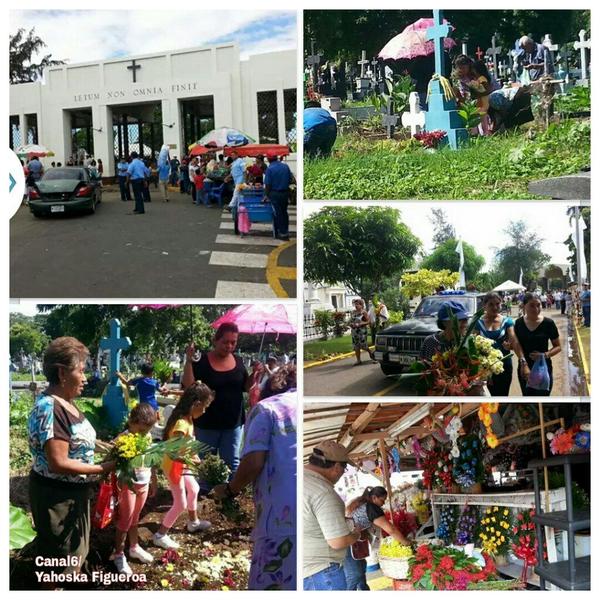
(496, 167)
(324, 349)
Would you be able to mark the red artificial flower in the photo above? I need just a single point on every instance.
(447, 563)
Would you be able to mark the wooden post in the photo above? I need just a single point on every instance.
(386, 473)
(543, 439)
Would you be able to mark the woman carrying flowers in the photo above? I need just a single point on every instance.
(182, 483)
(501, 331)
(133, 495)
(366, 511)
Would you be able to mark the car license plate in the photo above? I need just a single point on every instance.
(378, 355)
(57, 208)
(402, 359)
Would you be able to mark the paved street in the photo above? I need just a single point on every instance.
(174, 250)
(341, 378)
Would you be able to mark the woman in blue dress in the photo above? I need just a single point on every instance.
(501, 330)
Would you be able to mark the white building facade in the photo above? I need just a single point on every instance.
(113, 107)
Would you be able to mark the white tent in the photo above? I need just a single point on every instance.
(509, 286)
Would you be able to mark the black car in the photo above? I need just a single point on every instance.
(65, 189)
(399, 346)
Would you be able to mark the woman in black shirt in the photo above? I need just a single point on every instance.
(223, 372)
(534, 332)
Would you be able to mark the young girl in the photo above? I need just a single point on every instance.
(182, 483)
(131, 501)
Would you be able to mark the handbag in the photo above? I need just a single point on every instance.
(105, 508)
(360, 549)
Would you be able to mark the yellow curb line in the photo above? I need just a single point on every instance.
(586, 368)
(387, 389)
(273, 269)
(317, 363)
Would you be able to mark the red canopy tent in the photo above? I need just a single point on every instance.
(256, 149)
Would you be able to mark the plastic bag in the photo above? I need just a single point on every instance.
(104, 510)
(539, 377)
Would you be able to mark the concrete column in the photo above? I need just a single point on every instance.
(103, 137)
(281, 116)
(63, 154)
(223, 109)
(171, 135)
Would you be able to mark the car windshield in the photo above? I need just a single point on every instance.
(430, 306)
(53, 174)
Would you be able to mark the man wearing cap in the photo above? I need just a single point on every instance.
(136, 173)
(444, 339)
(327, 534)
(278, 179)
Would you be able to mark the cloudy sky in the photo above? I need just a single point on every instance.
(482, 224)
(88, 35)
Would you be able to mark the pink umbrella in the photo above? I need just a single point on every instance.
(261, 319)
(413, 42)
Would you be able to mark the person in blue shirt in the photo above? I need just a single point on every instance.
(136, 173)
(122, 167)
(585, 298)
(278, 179)
(238, 174)
(164, 170)
(320, 130)
(145, 385)
(147, 177)
(174, 170)
(536, 58)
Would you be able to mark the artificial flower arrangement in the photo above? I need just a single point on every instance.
(486, 410)
(430, 139)
(447, 569)
(571, 440)
(496, 530)
(405, 522)
(467, 467)
(461, 369)
(446, 524)
(421, 506)
(524, 541)
(391, 548)
(437, 469)
(466, 526)
(135, 455)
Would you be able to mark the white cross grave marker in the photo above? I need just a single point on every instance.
(552, 49)
(415, 119)
(581, 45)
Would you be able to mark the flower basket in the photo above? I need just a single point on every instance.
(394, 568)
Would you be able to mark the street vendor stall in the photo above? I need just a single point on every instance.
(492, 509)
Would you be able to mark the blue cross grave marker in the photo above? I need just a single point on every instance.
(113, 399)
(442, 113)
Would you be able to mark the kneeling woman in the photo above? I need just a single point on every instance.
(365, 511)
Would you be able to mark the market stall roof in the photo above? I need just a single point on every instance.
(360, 425)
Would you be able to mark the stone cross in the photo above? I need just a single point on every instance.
(581, 45)
(133, 68)
(479, 53)
(442, 113)
(415, 119)
(113, 398)
(494, 51)
(363, 62)
(552, 48)
(388, 119)
(313, 61)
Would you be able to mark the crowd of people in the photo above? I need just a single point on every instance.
(211, 408)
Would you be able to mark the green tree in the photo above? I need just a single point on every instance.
(26, 336)
(442, 228)
(522, 252)
(22, 47)
(446, 257)
(486, 282)
(357, 247)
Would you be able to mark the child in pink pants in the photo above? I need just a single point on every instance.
(132, 499)
(182, 482)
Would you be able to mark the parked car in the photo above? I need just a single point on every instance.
(398, 346)
(65, 189)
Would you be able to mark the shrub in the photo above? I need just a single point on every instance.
(324, 322)
(339, 323)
